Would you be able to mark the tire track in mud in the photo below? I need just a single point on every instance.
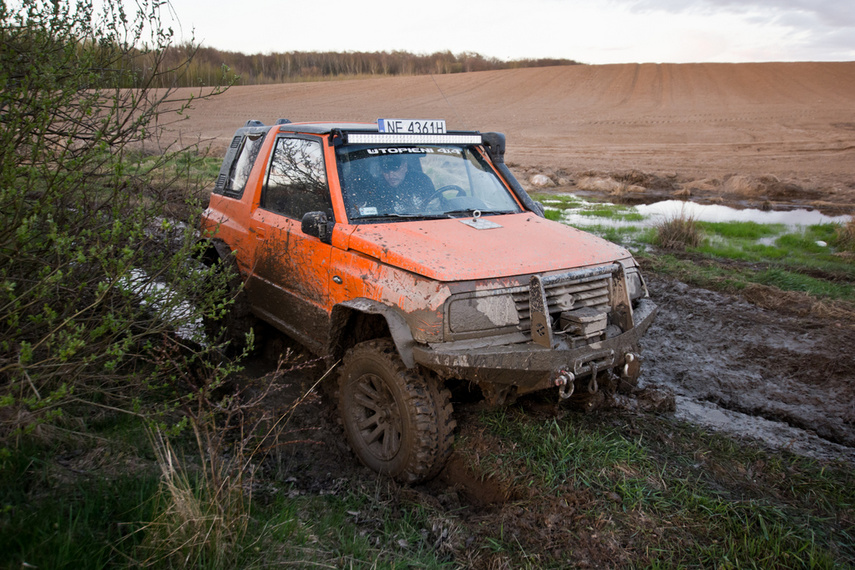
(780, 379)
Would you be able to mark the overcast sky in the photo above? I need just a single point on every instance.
(589, 31)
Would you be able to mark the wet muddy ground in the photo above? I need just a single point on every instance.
(780, 378)
(777, 378)
(768, 376)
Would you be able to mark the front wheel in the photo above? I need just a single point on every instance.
(397, 421)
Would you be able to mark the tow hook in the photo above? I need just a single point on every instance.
(632, 366)
(566, 384)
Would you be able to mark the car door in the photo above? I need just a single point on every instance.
(289, 285)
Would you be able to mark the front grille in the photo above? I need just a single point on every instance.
(565, 294)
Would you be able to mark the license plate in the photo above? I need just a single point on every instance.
(411, 126)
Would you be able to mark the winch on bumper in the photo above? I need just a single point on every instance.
(563, 348)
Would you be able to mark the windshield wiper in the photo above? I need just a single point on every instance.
(452, 213)
(391, 215)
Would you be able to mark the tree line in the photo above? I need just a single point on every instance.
(208, 66)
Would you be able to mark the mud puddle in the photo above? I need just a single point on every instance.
(783, 380)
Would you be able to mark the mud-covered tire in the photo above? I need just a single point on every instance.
(397, 421)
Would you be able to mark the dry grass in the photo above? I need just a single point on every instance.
(678, 233)
(846, 236)
(200, 522)
(797, 302)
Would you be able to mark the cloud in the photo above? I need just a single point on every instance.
(793, 29)
(836, 14)
(608, 31)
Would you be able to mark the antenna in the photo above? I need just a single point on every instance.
(447, 102)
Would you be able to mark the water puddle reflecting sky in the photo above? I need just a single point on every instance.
(717, 213)
(659, 211)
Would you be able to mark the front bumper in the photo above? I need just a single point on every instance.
(529, 366)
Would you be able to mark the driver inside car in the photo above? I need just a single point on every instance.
(403, 185)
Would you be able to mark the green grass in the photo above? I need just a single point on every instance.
(560, 201)
(70, 514)
(794, 281)
(50, 518)
(675, 496)
(792, 261)
(359, 529)
(607, 489)
(732, 255)
(554, 215)
(742, 230)
(613, 212)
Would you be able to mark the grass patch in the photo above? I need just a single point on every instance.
(678, 233)
(674, 496)
(844, 236)
(742, 230)
(554, 215)
(51, 518)
(793, 281)
(559, 201)
(734, 256)
(816, 261)
(366, 526)
(613, 212)
(630, 236)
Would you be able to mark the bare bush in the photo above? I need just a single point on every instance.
(845, 236)
(678, 233)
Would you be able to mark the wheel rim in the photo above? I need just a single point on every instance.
(378, 418)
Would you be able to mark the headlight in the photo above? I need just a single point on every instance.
(481, 313)
(635, 284)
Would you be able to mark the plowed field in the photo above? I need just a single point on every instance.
(686, 122)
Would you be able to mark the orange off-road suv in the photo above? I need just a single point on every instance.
(412, 254)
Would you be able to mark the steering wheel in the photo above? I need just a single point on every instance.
(439, 193)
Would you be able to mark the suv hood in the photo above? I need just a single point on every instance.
(449, 250)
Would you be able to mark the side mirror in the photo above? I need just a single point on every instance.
(316, 224)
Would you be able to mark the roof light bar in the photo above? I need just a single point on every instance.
(382, 138)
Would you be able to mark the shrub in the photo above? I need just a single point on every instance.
(94, 273)
(678, 233)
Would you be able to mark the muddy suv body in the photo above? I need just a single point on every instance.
(454, 276)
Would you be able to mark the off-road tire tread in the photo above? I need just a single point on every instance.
(445, 422)
(428, 405)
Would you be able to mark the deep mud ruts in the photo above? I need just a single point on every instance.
(784, 379)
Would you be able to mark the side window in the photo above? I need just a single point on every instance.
(242, 166)
(296, 180)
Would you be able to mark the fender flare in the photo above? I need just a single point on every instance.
(400, 331)
(214, 248)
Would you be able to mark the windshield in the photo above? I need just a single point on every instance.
(390, 183)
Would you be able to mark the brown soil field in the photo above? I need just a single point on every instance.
(737, 133)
